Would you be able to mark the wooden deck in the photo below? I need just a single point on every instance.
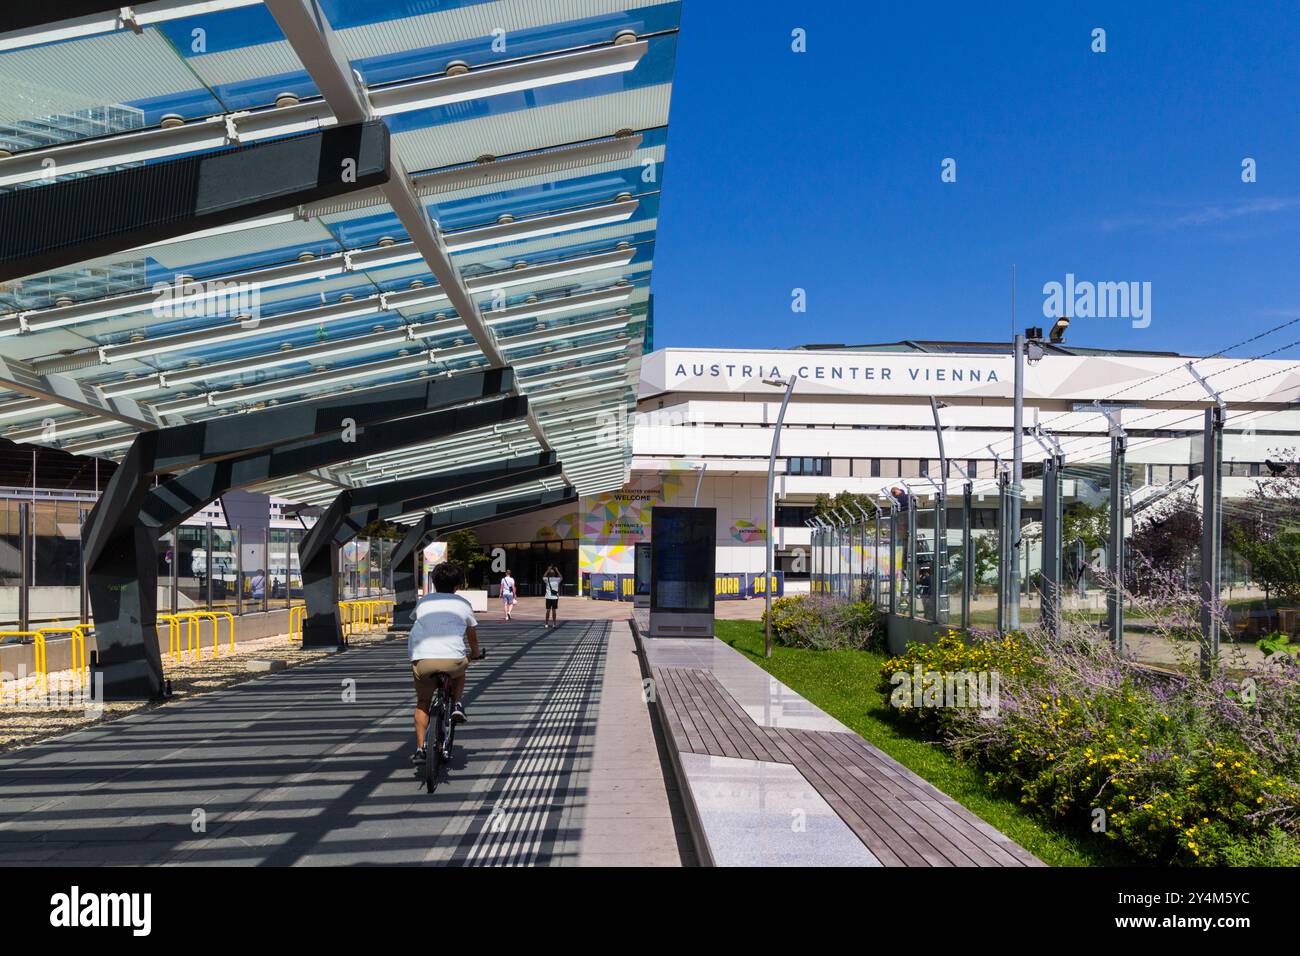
(899, 817)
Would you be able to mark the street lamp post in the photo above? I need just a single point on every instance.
(1017, 474)
(1029, 344)
(771, 510)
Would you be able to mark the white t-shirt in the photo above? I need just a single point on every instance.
(552, 587)
(507, 586)
(439, 628)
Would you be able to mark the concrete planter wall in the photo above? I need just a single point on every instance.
(901, 631)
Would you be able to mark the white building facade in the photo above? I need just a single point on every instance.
(860, 420)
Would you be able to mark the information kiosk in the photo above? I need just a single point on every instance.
(682, 564)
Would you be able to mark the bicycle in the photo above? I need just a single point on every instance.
(441, 732)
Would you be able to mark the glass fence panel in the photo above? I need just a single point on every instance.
(252, 569)
(1029, 578)
(953, 568)
(223, 583)
(10, 565)
(922, 563)
(1085, 539)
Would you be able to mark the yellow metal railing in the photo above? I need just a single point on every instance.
(40, 651)
(39, 669)
(365, 612)
(193, 621)
(354, 616)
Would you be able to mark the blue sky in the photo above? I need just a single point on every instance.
(821, 171)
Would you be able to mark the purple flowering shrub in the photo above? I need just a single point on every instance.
(1176, 768)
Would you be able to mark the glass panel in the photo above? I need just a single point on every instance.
(191, 567)
(956, 558)
(253, 583)
(1085, 522)
(10, 564)
(924, 583)
(1029, 598)
(223, 570)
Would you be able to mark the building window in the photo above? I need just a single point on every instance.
(793, 516)
(817, 467)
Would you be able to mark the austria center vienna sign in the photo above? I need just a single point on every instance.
(1073, 378)
(862, 373)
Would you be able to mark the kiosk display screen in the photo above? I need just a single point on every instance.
(682, 544)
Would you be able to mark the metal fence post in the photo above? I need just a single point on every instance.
(939, 563)
(25, 575)
(1050, 592)
(1115, 594)
(83, 602)
(266, 571)
(237, 531)
(1003, 557)
(1211, 538)
(911, 555)
(208, 567)
(893, 557)
(967, 559)
(175, 581)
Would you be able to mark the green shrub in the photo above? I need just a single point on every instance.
(1178, 770)
(824, 624)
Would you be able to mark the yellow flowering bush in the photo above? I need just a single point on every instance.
(1136, 758)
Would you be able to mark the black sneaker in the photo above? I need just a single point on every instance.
(458, 713)
(420, 756)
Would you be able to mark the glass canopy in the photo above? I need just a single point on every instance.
(531, 135)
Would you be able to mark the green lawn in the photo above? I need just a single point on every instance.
(844, 684)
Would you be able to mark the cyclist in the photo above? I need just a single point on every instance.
(444, 624)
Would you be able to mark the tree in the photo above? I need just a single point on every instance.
(1168, 539)
(986, 559)
(463, 549)
(835, 508)
(1264, 528)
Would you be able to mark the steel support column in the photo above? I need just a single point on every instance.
(967, 558)
(1004, 556)
(1211, 538)
(1115, 569)
(1050, 594)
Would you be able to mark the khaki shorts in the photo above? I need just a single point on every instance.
(424, 671)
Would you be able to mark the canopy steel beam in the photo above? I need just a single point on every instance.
(405, 584)
(66, 392)
(78, 219)
(313, 40)
(352, 511)
(119, 539)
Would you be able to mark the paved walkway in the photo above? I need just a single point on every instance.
(310, 766)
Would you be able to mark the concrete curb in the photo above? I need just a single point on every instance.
(702, 852)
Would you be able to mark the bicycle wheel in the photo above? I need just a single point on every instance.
(433, 745)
